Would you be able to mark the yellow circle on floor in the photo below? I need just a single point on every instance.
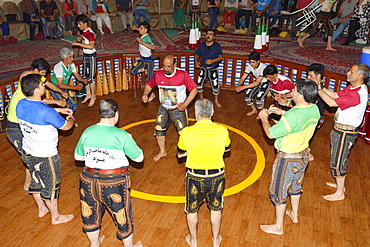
(256, 173)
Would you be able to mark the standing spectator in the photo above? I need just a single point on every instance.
(273, 12)
(204, 144)
(210, 54)
(343, 17)
(105, 180)
(213, 10)
(260, 10)
(4, 26)
(141, 11)
(292, 133)
(85, 7)
(179, 13)
(69, 11)
(351, 103)
(244, 9)
(194, 11)
(124, 8)
(39, 124)
(49, 12)
(100, 8)
(230, 8)
(31, 16)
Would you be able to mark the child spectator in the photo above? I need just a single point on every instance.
(89, 59)
(146, 60)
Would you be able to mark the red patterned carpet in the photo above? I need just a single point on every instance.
(315, 52)
(20, 55)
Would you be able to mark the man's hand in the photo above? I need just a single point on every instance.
(182, 106)
(197, 64)
(65, 111)
(64, 94)
(52, 18)
(263, 114)
(78, 86)
(239, 88)
(61, 103)
(282, 101)
(276, 110)
(139, 40)
(144, 98)
(85, 81)
(209, 61)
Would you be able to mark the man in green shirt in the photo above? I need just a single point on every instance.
(292, 133)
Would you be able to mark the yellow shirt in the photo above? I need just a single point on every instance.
(205, 144)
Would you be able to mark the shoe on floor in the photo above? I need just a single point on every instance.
(242, 31)
(221, 29)
(237, 31)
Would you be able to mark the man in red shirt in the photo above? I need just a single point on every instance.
(172, 84)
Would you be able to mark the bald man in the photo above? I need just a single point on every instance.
(172, 84)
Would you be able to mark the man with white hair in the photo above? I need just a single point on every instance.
(62, 74)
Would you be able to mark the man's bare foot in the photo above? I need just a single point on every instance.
(334, 197)
(333, 185)
(251, 112)
(92, 101)
(76, 125)
(138, 244)
(300, 43)
(217, 241)
(310, 157)
(159, 156)
(218, 104)
(85, 100)
(330, 49)
(190, 241)
(151, 97)
(43, 212)
(293, 217)
(26, 187)
(62, 219)
(273, 229)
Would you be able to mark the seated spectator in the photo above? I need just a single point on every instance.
(194, 9)
(85, 7)
(230, 8)
(124, 8)
(244, 9)
(213, 10)
(100, 8)
(4, 26)
(69, 11)
(31, 16)
(141, 11)
(359, 24)
(273, 12)
(343, 17)
(179, 13)
(260, 10)
(49, 12)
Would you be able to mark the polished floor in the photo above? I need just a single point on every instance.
(158, 224)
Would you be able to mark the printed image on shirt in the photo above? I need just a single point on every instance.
(168, 96)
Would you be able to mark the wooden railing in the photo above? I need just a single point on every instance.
(113, 74)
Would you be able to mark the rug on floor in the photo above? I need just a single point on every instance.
(339, 61)
(20, 55)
